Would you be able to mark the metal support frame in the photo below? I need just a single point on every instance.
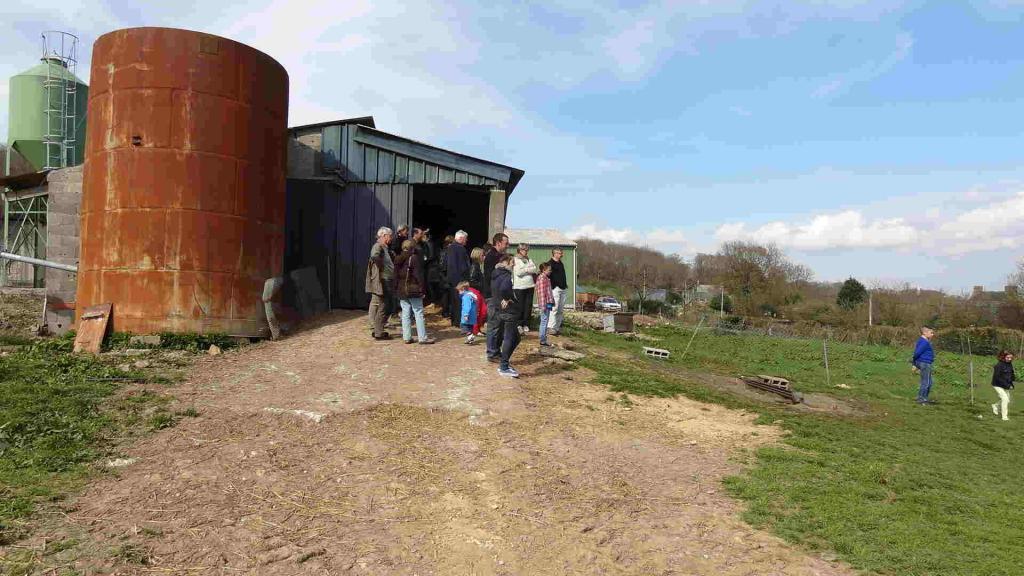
(25, 230)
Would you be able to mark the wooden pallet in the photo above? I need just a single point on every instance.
(775, 385)
(656, 352)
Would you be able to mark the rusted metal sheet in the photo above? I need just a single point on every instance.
(183, 202)
(92, 328)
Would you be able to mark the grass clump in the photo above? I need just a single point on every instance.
(895, 489)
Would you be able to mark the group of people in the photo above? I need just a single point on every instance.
(483, 290)
(1003, 376)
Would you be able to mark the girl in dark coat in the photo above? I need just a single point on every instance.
(1002, 383)
(410, 284)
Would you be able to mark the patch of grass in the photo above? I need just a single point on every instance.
(196, 342)
(189, 412)
(161, 420)
(131, 553)
(14, 340)
(54, 420)
(904, 489)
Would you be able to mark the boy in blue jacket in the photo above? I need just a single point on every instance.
(924, 357)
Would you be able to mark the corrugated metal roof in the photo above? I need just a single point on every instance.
(364, 120)
(538, 237)
(22, 181)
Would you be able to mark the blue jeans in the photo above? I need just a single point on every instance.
(926, 381)
(545, 317)
(410, 307)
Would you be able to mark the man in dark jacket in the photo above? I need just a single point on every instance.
(559, 285)
(499, 244)
(458, 270)
(508, 314)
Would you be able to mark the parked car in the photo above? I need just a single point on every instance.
(608, 304)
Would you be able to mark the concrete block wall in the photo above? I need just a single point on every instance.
(65, 198)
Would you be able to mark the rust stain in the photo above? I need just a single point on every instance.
(186, 239)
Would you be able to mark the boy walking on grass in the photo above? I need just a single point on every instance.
(924, 357)
(545, 299)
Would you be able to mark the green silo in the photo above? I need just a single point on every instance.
(36, 90)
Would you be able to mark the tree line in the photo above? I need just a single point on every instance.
(760, 280)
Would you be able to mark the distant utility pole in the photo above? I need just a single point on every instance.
(721, 304)
(870, 311)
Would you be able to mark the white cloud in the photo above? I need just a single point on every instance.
(847, 229)
(998, 225)
(668, 240)
(995, 226)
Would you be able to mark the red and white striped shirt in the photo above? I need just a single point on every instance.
(543, 291)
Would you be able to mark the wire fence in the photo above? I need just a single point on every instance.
(965, 368)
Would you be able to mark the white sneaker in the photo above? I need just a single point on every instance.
(526, 329)
(470, 339)
(995, 409)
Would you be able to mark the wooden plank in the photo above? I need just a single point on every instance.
(354, 172)
(345, 271)
(92, 328)
(430, 176)
(330, 148)
(385, 166)
(370, 174)
(445, 175)
(400, 205)
(417, 172)
(365, 234)
(401, 169)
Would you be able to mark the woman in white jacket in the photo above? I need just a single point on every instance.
(524, 272)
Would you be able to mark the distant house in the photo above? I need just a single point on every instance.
(542, 242)
(702, 293)
(992, 301)
(659, 295)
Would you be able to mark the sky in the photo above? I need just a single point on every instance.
(880, 140)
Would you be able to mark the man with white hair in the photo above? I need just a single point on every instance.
(458, 263)
(379, 272)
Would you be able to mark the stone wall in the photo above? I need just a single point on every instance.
(65, 191)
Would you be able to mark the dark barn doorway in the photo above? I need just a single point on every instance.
(448, 208)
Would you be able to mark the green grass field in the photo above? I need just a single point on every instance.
(58, 413)
(900, 489)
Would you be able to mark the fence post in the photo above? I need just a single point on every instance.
(828, 372)
(970, 366)
(692, 337)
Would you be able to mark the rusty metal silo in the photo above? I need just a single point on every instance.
(184, 187)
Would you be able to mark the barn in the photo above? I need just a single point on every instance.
(347, 178)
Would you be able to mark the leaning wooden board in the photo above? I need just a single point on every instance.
(92, 328)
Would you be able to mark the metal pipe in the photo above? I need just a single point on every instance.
(38, 262)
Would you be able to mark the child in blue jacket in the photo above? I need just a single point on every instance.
(468, 312)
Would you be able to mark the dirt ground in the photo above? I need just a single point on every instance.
(21, 311)
(329, 453)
